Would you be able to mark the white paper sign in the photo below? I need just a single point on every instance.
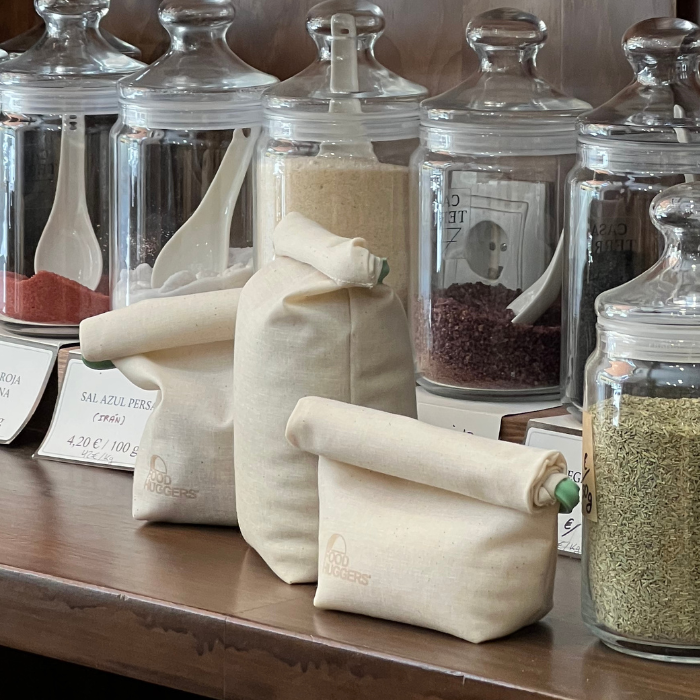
(99, 418)
(24, 371)
(482, 418)
(570, 446)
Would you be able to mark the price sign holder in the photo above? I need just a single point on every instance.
(28, 382)
(562, 433)
(99, 418)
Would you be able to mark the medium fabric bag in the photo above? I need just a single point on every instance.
(430, 526)
(315, 321)
(182, 346)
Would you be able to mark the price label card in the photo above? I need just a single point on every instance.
(480, 418)
(25, 368)
(99, 418)
(570, 447)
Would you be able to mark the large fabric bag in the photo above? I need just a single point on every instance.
(430, 526)
(182, 346)
(315, 321)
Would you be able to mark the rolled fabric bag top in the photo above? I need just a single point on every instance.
(315, 321)
(429, 526)
(182, 346)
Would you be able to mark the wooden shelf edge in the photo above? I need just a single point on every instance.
(213, 655)
(112, 631)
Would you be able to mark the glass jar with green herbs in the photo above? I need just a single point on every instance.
(641, 485)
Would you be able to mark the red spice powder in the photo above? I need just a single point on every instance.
(49, 298)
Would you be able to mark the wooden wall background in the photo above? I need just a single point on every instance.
(424, 40)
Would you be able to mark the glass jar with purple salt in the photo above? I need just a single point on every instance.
(490, 169)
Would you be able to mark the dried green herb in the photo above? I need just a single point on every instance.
(644, 550)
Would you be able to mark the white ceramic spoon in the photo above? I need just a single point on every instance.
(682, 135)
(538, 297)
(202, 242)
(68, 245)
(344, 80)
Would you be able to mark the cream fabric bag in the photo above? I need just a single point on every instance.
(315, 321)
(182, 346)
(429, 526)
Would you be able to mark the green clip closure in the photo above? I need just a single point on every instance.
(385, 271)
(567, 493)
(105, 364)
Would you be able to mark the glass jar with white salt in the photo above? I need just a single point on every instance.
(182, 214)
(337, 140)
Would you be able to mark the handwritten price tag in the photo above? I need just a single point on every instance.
(588, 500)
(99, 418)
(25, 368)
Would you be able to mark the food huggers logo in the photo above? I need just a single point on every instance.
(337, 563)
(160, 483)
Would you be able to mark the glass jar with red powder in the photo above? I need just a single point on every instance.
(59, 105)
(491, 173)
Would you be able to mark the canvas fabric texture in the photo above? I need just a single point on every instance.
(182, 346)
(429, 526)
(315, 321)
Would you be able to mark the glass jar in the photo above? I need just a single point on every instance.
(59, 102)
(491, 166)
(179, 226)
(641, 486)
(338, 138)
(645, 139)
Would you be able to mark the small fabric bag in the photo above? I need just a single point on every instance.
(430, 526)
(315, 321)
(182, 346)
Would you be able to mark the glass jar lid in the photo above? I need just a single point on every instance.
(22, 42)
(505, 106)
(662, 104)
(663, 304)
(345, 88)
(17, 45)
(71, 69)
(199, 82)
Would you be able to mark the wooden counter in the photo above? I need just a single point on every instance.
(194, 608)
